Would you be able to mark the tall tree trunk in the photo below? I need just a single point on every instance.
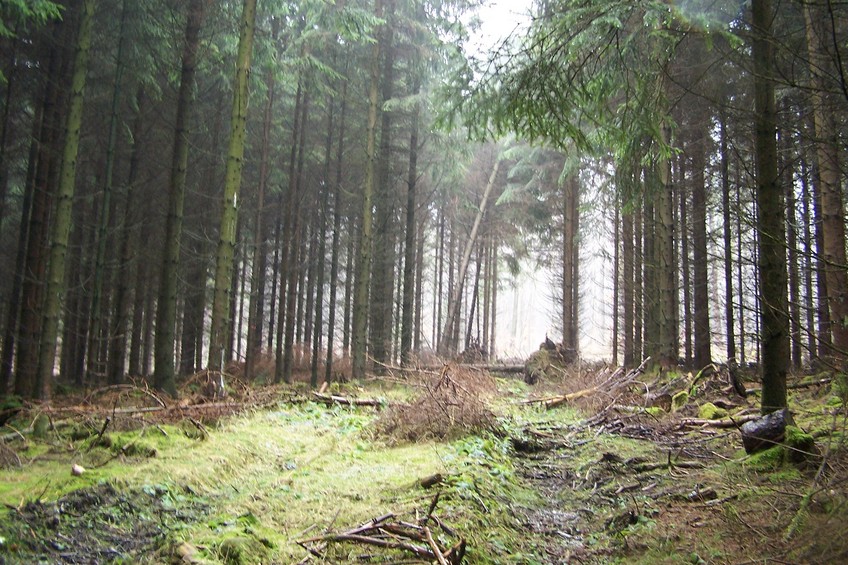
(14, 312)
(334, 246)
(95, 362)
(685, 268)
(616, 279)
(257, 284)
(727, 237)
(383, 263)
(569, 321)
(806, 222)
(166, 310)
(232, 184)
(128, 253)
(409, 262)
(34, 266)
(774, 326)
(788, 181)
(832, 204)
(295, 274)
(64, 207)
(452, 321)
(287, 236)
(666, 272)
(700, 259)
(363, 263)
(493, 330)
(323, 196)
(627, 264)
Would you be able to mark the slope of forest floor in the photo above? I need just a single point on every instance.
(588, 465)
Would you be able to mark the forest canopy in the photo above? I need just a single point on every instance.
(322, 189)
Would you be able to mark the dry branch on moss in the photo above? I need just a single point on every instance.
(390, 532)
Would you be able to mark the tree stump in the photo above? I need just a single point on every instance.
(765, 432)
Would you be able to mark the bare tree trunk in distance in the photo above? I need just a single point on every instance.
(445, 345)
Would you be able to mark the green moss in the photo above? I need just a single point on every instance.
(710, 411)
(655, 411)
(799, 444)
(767, 460)
(679, 400)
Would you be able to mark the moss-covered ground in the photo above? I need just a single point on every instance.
(626, 484)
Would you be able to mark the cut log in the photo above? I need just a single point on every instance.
(765, 432)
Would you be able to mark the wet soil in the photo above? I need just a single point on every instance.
(101, 524)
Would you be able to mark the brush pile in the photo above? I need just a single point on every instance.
(451, 405)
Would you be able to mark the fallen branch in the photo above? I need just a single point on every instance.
(720, 423)
(331, 399)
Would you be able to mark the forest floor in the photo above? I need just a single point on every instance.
(589, 465)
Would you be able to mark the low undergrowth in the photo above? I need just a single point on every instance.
(518, 483)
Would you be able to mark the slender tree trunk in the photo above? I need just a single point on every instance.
(33, 269)
(323, 197)
(94, 360)
(628, 260)
(770, 217)
(616, 279)
(383, 262)
(285, 245)
(686, 269)
(64, 207)
(806, 220)
(830, 186)
(295, 274)
(788, 181)
(409, 262)
(257, 283)
(334, 246)
(665, 272)
(493, 335)
(740, 267)
(569, 322)
(452, 320)
(727, 235)
(128, 253)
(700, 259)
(363, 263)
(166, 311)
(232, 184)
(13, 314)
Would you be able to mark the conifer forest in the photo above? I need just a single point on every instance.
(275, 244)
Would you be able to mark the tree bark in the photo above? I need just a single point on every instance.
(363, 263)
(64, 207)
(334, 246)
(232, 185)
(832, 204)
(727, 238)
(128, 253)
(409, 249)
(166, 310)
(774, 326)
